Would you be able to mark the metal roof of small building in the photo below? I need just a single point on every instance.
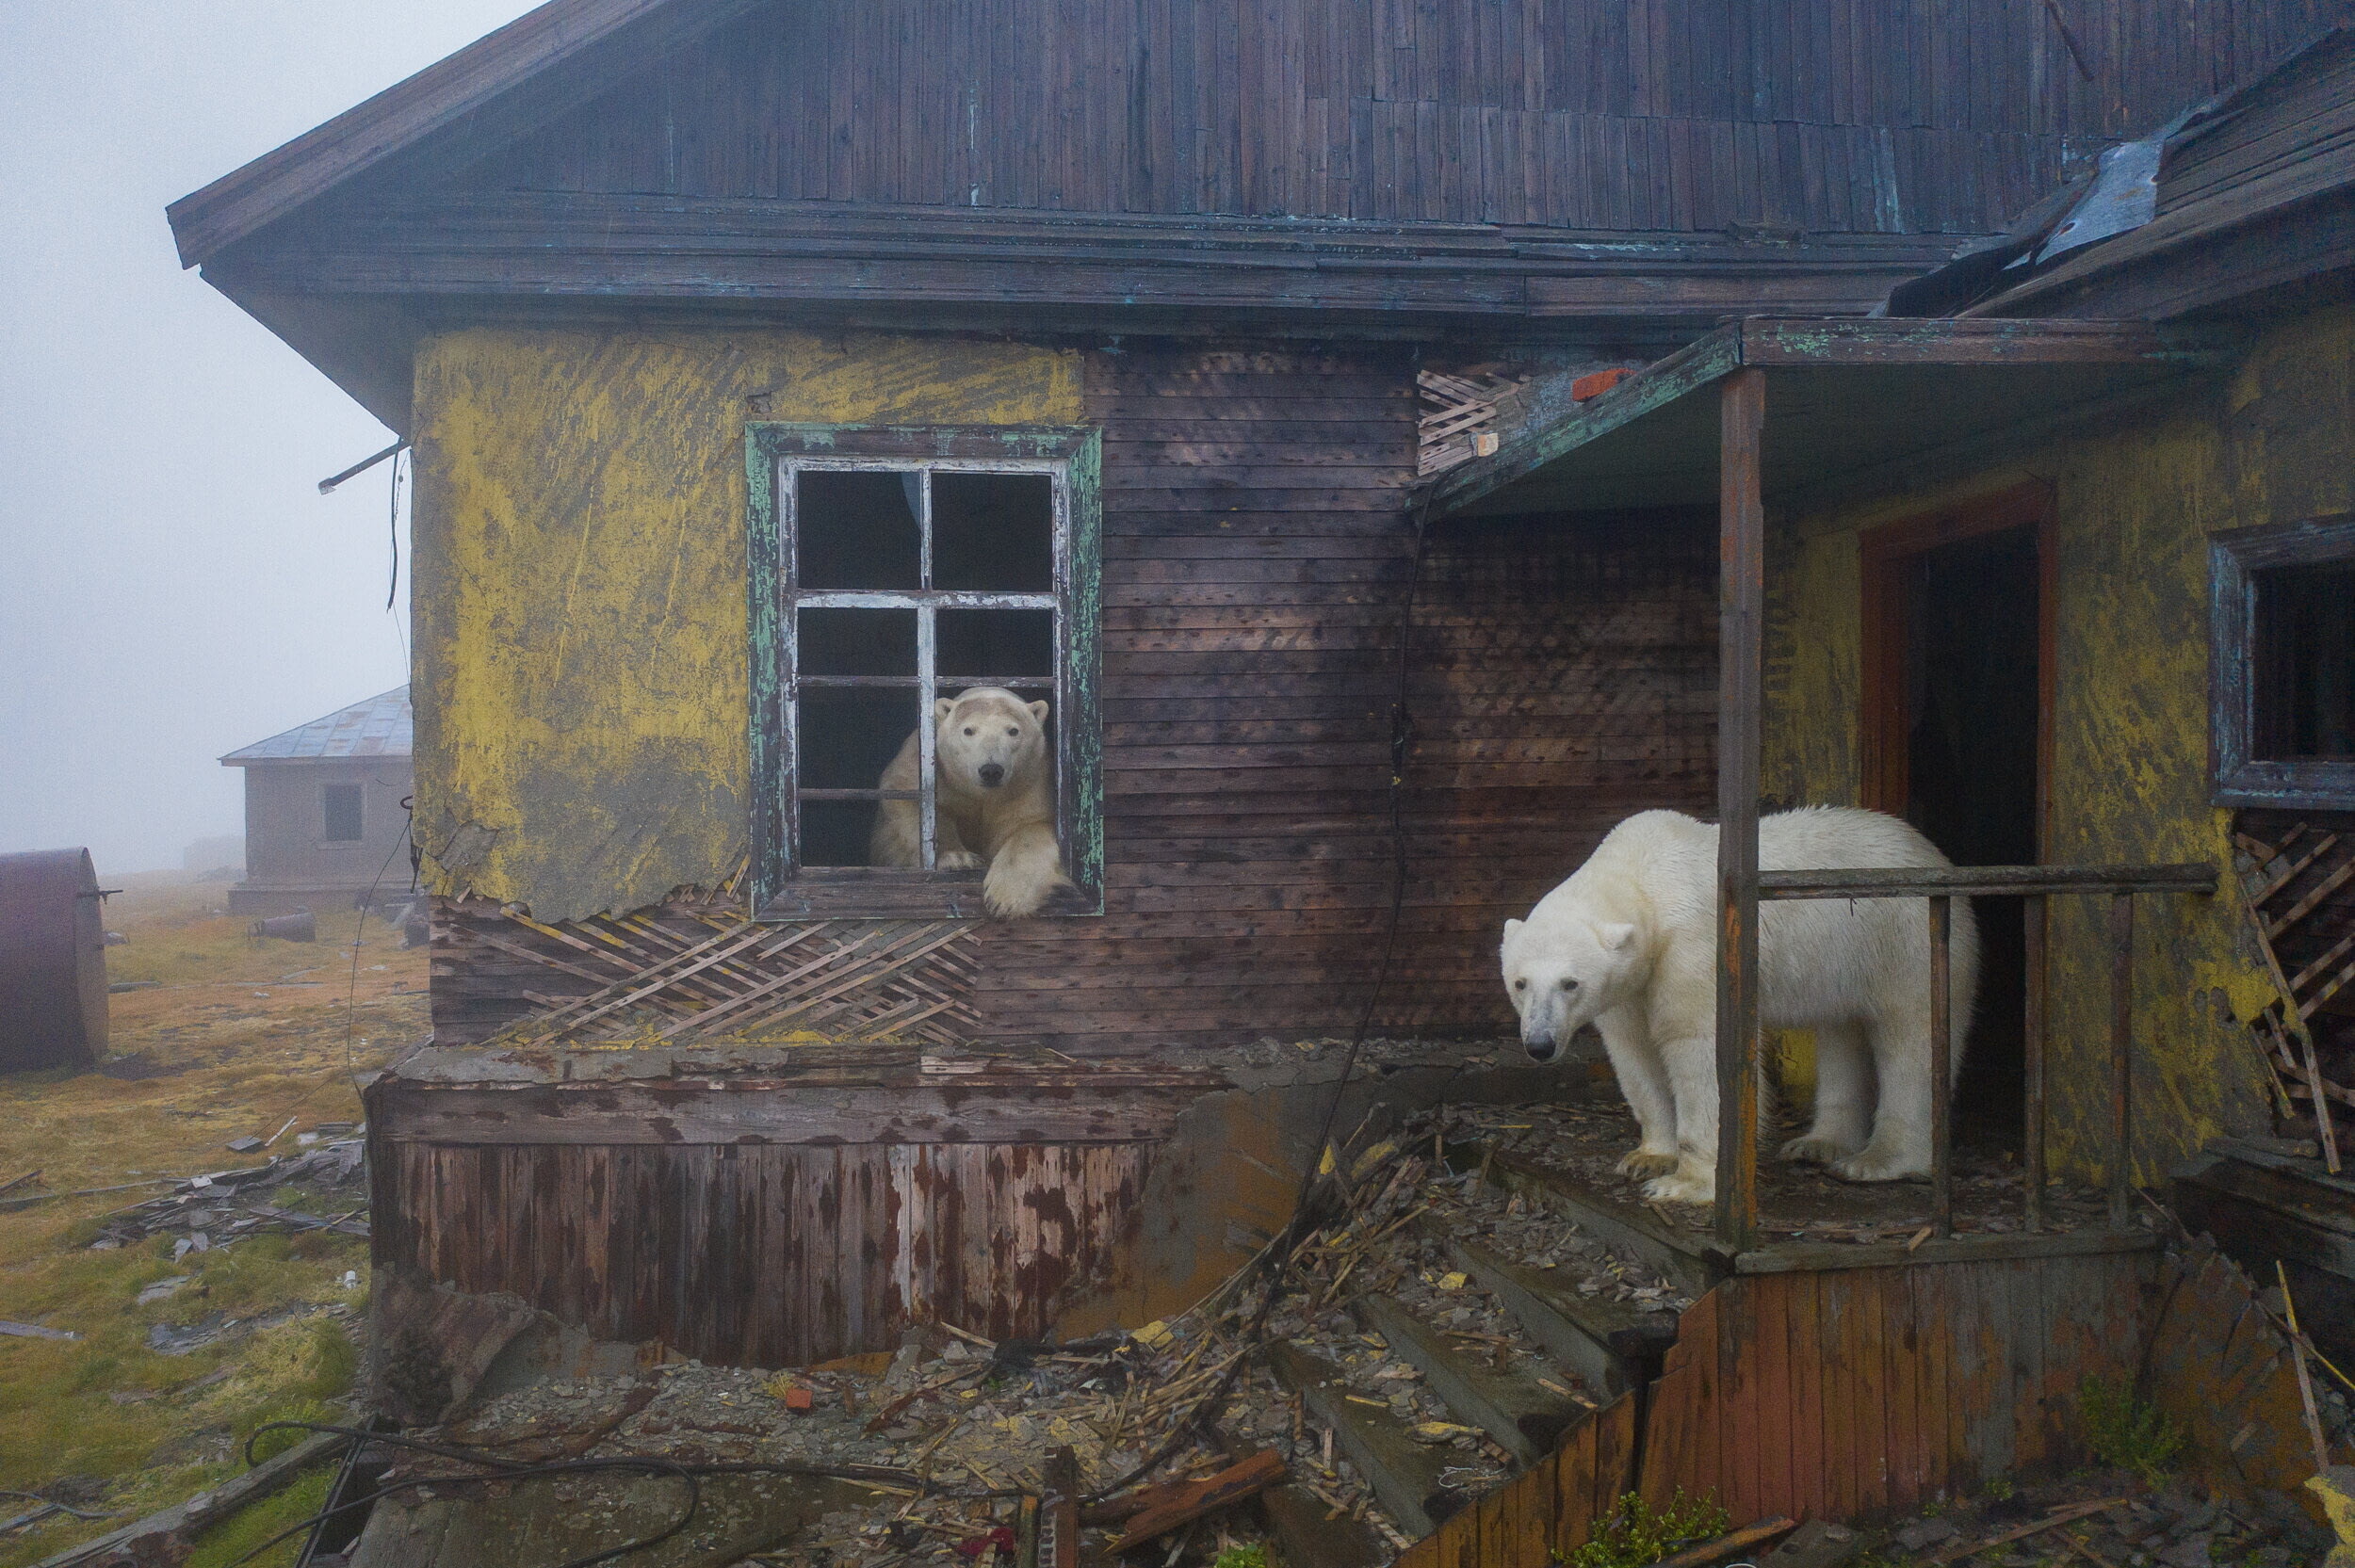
(379, 727)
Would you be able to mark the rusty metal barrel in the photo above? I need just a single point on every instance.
(53, 962)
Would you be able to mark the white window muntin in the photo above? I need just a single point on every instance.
(925, 602)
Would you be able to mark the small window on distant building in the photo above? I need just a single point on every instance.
(342, 806)
(2283, 648)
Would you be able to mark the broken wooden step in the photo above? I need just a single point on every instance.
(1314, 1534)
(1610, 1344)
(1683, 1260)
(1404, 1476)
(1526, 1419)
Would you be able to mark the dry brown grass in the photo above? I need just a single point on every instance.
(242, 1037)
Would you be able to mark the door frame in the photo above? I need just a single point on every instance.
(1883, 554)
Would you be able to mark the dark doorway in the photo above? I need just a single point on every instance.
(1956, 614)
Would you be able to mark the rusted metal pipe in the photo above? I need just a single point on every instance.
(2032, 1062)
(2122, 1057)
(1941, 1066)
(1741, 696)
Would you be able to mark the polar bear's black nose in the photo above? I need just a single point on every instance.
(992, 774)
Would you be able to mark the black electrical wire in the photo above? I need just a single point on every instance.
(512, 1470)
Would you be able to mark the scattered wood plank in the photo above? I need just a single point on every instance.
(34, 1331)
(2068, 1515)
(166, 1536)
(1174, 1503)
(307, 1221)
(1727, 1545)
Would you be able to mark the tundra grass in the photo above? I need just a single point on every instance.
(227, 1044)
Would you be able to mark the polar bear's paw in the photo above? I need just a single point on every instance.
(1640, 1163)
(1816, 1149)
(1681, 1189)
(957, 859)
(1877, 1165)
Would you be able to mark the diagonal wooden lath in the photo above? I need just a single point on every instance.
(680, 973)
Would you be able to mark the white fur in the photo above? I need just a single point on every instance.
(1628, 944)
(1008, 826)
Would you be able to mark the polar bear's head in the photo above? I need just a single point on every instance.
(1565, 974)
(988, 738)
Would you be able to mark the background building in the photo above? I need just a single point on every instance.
(323, 816)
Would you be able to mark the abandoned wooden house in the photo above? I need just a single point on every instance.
(325, 810)
(1250, 386)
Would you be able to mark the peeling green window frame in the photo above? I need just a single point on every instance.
(1074, 454)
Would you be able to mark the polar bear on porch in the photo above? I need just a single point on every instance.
(993, 802)
(1628, 944)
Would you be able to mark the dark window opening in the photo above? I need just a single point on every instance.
(910, 585)
(341, 806)
(2281, 665)
(2303, 683)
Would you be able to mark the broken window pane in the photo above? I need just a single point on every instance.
(2305, 674)
(993, 532)
(857, 530)
(992, 645)
(850, 736)
(835, 832)
(857, 642)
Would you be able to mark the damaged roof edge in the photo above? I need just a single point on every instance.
(207, 222)
(1787, 344)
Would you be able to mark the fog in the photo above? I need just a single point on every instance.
(172, 584)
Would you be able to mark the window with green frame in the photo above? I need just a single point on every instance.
(893, 570)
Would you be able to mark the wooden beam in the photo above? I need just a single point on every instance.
(1985, 881)
(1741, 698)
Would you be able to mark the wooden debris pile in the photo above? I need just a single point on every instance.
(223, 1206)
(1432, 1338)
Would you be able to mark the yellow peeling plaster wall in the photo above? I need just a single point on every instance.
(2136, 504)
(581, 660)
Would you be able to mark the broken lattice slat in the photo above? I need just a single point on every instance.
(682, 972)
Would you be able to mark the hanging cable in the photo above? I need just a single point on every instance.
(392, 529)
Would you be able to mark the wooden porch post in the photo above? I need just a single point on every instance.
(1741, 696)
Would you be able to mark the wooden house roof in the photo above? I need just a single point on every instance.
(2251, 191)
(379, 727)
(2245, 192)
(1561, 168)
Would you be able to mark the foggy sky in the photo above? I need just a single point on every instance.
(171, 585)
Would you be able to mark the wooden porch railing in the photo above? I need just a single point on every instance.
(1737, 1221)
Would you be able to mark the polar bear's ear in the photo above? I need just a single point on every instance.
(1038, 711)
(942, 708)
(1510, 927)
(1615, 937)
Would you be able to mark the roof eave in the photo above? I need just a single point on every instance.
(444, 94)
(1772, 343)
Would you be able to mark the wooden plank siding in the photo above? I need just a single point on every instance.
(1256, 554)
(1825, 116)
(1847, 1393)
(1859, 1392)
(771, 1254)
